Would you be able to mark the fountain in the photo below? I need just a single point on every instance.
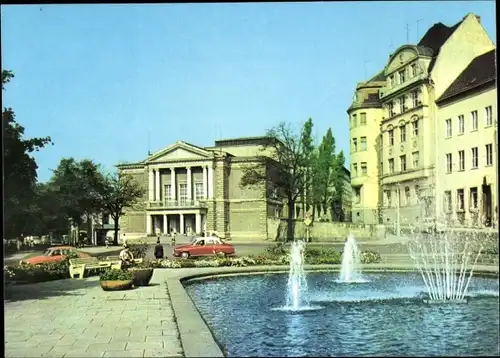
(351, 259)
(297, 284)
(446, 264)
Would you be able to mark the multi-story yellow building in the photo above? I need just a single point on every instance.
(467, 146)
(405, 154)
(365, 114)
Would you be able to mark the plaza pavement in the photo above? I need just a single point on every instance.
(76, 318)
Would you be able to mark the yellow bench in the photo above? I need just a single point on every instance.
(78, 266)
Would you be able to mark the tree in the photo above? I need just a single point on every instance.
(77, 186)
(323, 171)
(120, 191)
(309, 152)
(283, 164)
(337, 185)
(20, 167)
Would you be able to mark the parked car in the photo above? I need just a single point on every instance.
(204, 246)
(54, 254)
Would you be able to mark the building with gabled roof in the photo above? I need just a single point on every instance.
(399, 157)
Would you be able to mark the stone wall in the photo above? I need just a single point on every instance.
(324, 231)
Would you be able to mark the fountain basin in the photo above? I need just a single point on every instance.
(445, 301)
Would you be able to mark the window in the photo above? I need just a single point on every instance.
(461, 160)
(363, 143)
(182, 193)
(403, 133)
(414, 70)
(415, 157)
(489, 116)
(391, 137)
(417, 192)
(460, 199)
(473, 120)
(364, 169)
(402, 161)
(390, 106)
(357, 195)
(414, 99)
(391, 81)
(355, 145)
(391, 166)
(473, 198)
(402, 104)
(449, 163)
(362, 119)
(489, 154)
(415, 128)
(447, 202)
(198, 191)
(407, 195)
(461, 124)
(355, 170)
(448, 128)
(475, 163)
(354, 121)
(388, 198)
(402, 76)
(168, 192)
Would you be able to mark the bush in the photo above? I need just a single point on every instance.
(139, 250)
(278, 250)
(370, 257)
(116, 275)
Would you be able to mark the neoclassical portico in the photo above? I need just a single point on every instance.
(179, 189)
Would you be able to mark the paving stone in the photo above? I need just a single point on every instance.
(138, 338)
(102, 347)
(162, 353)
(134, 353)
(143, 345)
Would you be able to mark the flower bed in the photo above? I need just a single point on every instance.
(275, 255)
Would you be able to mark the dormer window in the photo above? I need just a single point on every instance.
(414, 70)
(402, 76)
(391, 81)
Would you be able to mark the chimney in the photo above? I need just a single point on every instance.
(478, 18)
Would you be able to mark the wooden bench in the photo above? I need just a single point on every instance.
(115, 258)
(78, 266)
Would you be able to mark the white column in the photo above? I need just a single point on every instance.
(189, 185)
(157, 185)
(165, 224)
(198, 223)
(148, 224)
(151, 185)
(172, 184)
(181, 224)
(205, 185)
(210, 182)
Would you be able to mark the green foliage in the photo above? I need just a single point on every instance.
(19, 171)
(278, 249)
(120, 191)
(116, 275)
(139, 250)
(370, 257)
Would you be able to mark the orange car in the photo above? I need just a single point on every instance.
(54, 254)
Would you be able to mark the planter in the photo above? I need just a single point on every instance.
(142, 276)
(117, 285)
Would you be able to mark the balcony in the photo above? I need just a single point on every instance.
(176, 204)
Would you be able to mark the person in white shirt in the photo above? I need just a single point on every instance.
(126, 256)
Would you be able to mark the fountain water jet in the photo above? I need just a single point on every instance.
(445, 267)
(351, 259)
(297, 283)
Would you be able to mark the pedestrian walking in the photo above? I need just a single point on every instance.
(172, 240)
(106, 242)
(159, 254)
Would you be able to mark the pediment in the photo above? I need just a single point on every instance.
(178, 152)
(401, 57)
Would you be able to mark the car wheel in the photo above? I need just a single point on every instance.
(185, 255)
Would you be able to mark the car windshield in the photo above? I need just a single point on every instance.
(47, 253)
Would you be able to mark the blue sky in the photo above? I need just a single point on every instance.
(98, 78)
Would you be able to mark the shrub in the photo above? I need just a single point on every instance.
(278, 250)
(116, 275)
(370, 257)
(139, 249)
(206, 263)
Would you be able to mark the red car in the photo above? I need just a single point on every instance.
(54, 254)
(204, 246)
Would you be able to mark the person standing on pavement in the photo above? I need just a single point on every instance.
(159, 254)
